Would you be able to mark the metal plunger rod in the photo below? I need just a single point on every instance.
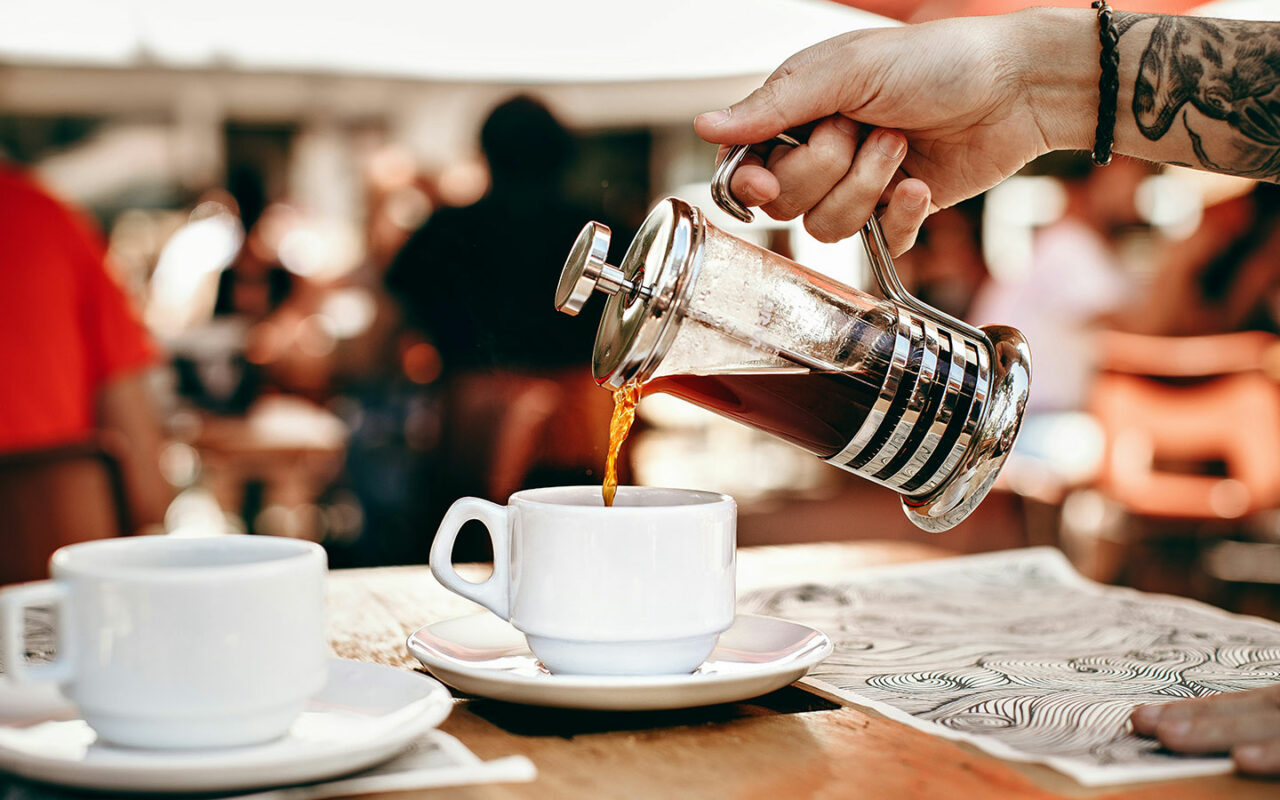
(612, 280)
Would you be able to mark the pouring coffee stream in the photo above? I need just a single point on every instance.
(890, 389)
(625, 400)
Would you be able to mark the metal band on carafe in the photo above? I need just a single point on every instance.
(931, 402)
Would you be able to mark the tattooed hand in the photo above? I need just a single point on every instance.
(948, 88)
(975, 99)
(1227, 71)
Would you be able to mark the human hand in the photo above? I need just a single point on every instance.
(1247, 724)
(956, 93)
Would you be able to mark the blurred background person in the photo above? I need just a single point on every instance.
(520, 406)
(73, 389)
(475, 278)
(945, 268)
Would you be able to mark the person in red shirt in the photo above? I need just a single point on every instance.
(72, 353)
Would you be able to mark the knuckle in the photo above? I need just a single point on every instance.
(781, 211)
(769, 97)
(786, 68)
(824, 229)
(901, 243)
(1180, 738)
(872, 166)
(861, 198)
(899, 234)
(831, 153)
(859, 209)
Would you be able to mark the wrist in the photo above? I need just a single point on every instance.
(1055, 52)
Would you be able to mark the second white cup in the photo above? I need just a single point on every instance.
(641, 588)
(168, 642)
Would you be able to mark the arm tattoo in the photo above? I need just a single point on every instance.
(1227, 71)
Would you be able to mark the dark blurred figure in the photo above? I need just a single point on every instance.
(79, 435)
(479, 280)
(520, 408)
(1188, 413)
(250, 289)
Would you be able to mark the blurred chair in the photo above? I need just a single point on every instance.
(57, 496)
(1192, 427)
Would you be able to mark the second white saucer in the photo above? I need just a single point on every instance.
(364, 715)
(483, 655)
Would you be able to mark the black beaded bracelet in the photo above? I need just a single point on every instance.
(1108, 84)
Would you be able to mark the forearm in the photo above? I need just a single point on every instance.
(1199, 92)
(126, 411)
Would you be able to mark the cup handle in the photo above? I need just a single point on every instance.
(492, 593)
(13, 601)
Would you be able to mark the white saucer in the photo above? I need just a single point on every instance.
(484, 655)
(365, 714)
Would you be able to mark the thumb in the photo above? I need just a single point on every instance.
(785, 102)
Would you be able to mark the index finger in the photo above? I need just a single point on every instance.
(1146, 718)
(787, 102)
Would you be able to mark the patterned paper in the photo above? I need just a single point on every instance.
(1020, 655)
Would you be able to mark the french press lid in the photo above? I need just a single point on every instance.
(646, 292)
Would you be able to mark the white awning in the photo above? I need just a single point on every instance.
(505, 41)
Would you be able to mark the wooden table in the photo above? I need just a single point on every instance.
(788, 744)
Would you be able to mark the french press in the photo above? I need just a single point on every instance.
(890, 389)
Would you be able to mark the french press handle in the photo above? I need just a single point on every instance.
(872, 240)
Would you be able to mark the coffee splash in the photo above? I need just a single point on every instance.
(624, 413)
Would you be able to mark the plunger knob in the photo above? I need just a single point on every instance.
(585, 271)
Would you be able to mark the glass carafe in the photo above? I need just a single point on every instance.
(890, 389)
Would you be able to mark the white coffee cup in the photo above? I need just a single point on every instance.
(644, 587)
(168, 642)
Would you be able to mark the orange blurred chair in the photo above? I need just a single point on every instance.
(57, 496)
(1192, 428)
(1189, 401)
